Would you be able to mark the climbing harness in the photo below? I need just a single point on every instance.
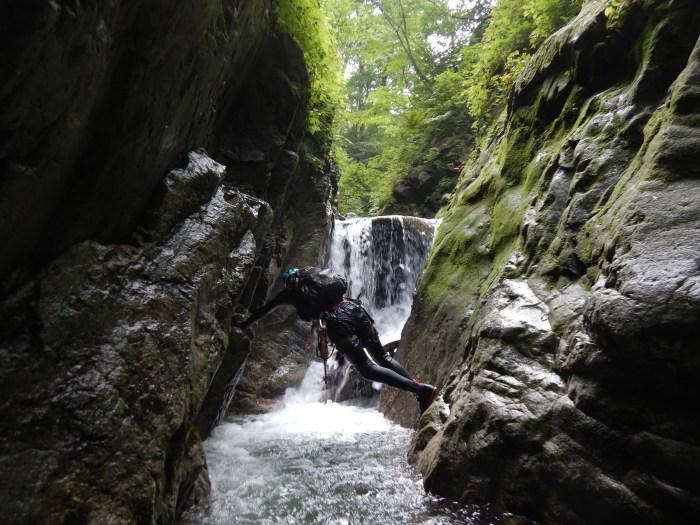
(318, 337)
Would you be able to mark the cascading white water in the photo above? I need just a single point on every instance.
(311, 462)
(382, 258)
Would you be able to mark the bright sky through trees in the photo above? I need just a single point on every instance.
(418, 70)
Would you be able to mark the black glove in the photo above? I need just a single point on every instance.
(239, 321)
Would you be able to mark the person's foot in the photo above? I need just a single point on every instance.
(426, 395)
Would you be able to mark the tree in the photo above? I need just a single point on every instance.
(420, 69)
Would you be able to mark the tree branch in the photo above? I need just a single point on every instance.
(401, 31)
(465, 18)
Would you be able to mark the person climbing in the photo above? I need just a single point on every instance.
(319, 293)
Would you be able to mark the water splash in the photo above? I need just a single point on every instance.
(317, 463)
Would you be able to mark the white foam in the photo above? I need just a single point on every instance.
(392, 261)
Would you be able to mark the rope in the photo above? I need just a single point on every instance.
(318, 328)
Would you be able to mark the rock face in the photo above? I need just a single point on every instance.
(119, 281)
(100, 100)
(559, 309)
(426, 186)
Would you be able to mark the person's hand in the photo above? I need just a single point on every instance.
(238, 320)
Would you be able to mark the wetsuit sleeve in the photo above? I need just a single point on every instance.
(280, 299)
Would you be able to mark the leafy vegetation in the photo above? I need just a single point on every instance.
(306, 22)
(414, 72)
(418, 71)
(616, 11)
(516, 30)
(394, 52)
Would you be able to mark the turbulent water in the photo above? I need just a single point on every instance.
(317, 463)
(311, 462)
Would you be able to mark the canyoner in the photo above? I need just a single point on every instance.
(317, 294)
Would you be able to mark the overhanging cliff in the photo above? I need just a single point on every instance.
(559, 308)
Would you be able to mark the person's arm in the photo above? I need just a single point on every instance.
(280, 299)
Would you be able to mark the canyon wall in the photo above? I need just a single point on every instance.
(155, 175)
(559, 309)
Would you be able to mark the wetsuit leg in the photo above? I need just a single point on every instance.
(351, 328)
(370, 339)
(387, 361)
(354, 351)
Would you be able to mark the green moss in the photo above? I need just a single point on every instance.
(448, 284)
(474, 190)
(518, 153)
(513, 170)
(306, 22)
(654, 124)
(482, 227)
(500, 259)
(507, 216)
(460, 259)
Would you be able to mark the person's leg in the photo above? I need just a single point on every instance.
(344, 323)
(370, 339)
(371, 371)
(384, 359)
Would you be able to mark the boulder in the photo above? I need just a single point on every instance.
(108, 354)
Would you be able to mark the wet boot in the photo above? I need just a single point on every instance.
(425, 395)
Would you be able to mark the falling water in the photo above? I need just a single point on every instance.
(313, 462)
(382, 258)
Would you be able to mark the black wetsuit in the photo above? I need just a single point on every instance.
(285, 297)
(351, 330)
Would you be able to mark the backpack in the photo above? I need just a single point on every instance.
(317, 289)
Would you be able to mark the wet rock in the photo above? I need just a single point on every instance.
(128, 339)
(81, 78)
(421, 192)
(347, 383)
(120, 356)
(558, 309)
(185, 191)
(652, 283)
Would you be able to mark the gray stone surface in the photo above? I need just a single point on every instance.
(99, 100)
(101, 397)
(558, 312)
(119, 282)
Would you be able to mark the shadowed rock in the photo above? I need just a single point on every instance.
(120, 280)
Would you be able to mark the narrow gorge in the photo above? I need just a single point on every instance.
(161, 165)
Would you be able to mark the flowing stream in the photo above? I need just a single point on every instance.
(313, 462)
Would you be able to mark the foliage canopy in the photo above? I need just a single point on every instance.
(307, 23)
(417, 71)
(409, 73)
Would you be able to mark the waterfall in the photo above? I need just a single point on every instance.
(382, 258)
(334, 463)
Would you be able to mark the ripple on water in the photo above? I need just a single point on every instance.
(317, 463)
